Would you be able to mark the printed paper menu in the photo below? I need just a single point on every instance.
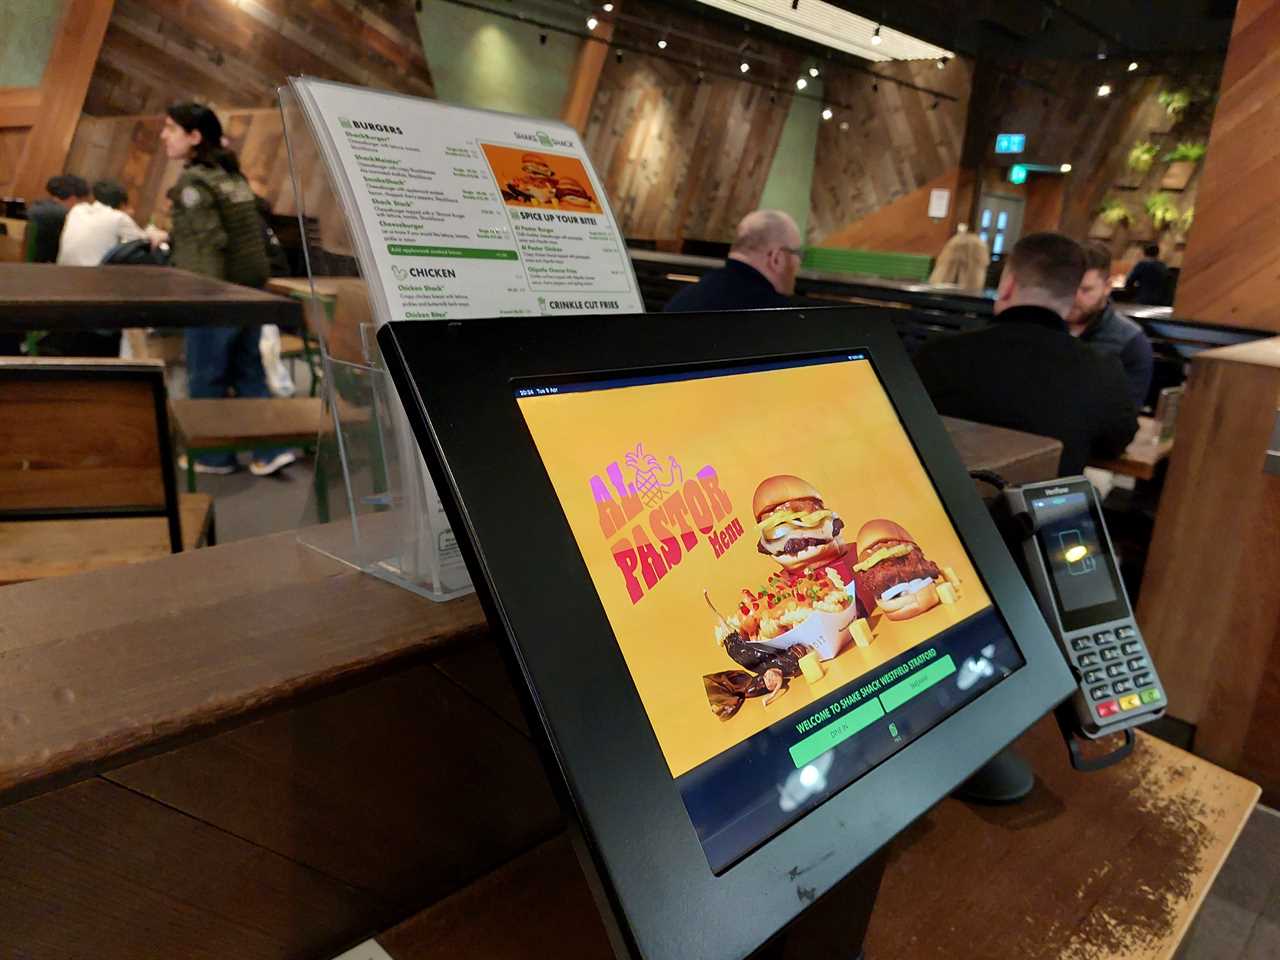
(467, 213)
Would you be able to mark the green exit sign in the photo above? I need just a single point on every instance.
(1018, 173)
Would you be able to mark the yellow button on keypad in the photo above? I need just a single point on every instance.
(1130, 702)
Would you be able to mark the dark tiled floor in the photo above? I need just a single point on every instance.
(1239, 920)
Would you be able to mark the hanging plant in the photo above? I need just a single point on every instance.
(1188, 217)
(1189, 151)
(1162, 210)
(1114, 212)
(1142, 156)
(1175, 102)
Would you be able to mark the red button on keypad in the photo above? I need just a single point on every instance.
(1108, 709)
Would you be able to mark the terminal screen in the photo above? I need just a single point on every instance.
(787, 590)
(1086, 586)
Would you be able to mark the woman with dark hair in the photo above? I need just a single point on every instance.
(216, 232)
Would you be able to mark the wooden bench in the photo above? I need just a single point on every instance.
(86, 473)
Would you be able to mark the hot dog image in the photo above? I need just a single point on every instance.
(893, 573)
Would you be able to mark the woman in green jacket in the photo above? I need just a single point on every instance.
(216, 232)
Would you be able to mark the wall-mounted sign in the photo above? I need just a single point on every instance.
(939, 203)
(1018, 173)
(1011, 142)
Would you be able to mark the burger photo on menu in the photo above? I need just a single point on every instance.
(541, 180)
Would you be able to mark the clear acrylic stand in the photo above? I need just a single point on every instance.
(373, 505)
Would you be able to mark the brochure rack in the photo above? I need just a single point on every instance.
(416, 210)
(373, 507)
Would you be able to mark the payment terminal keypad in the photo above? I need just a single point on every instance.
(1117, 680)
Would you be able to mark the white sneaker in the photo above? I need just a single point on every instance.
(265, 468)
(218, 470)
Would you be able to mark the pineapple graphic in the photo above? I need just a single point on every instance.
(651, 477)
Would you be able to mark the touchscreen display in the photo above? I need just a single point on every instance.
(1086, 587)
(786, 588)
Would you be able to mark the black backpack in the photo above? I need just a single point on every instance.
(135, 253)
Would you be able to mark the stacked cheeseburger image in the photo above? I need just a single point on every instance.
(538, 185)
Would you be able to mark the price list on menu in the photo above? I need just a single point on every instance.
(467, 213)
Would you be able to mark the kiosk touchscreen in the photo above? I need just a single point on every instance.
(762, 618)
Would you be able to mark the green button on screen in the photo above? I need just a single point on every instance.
(918, 682)
(816, 744)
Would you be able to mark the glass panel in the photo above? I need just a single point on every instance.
(999, 245)
(986, 219)
(984, 235)
(1002, 221)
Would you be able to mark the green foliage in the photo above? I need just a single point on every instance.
(1142, 156)
(1175, 102)
(1114, 212)
(1189, 151)
(1188, 217)
(1162, 210)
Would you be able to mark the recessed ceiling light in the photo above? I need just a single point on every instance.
(1133, 65)
(662, 44)
(826, 113)
(1104, 90)
(592, 23)
(801, 83)
(844, 124)
(813, 72)
(607, 8)
(876, 38)
(1065, 168)
(744, 66)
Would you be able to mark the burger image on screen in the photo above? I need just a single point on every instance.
(537, 189)
(796, 528)
(536, 165)
(892, 571)
(571, 193)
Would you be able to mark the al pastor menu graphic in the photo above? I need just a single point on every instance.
(467, 213)
(758, 541)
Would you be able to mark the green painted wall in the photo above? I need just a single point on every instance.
(481, 60)
(791, 173)
(27, 28)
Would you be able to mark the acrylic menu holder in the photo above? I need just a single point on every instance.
(373, 504)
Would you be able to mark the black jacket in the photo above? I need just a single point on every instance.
(1148, 283)
(1121, 337)
(1026, 372)
(44, 230)
(735, 286)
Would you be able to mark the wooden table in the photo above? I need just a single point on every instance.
(1108, 865)
(1018, 457)
(41, 296)
(1143, 455)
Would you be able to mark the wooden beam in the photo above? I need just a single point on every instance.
(63, 88)
(586, 75)
(19, 106)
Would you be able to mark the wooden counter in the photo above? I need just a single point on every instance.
(1143, 456)
(1111, 865)
(101, 666)
(1210, 600)
(44, 296)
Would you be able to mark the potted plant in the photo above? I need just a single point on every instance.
(1162, 211)
(1182, 161)
(1175, 103)
(1184, 224)
(1141, 156)
(1113, 214)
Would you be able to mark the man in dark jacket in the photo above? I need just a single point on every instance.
(1096, 322)
(1148, 281)
(1025, 371)
(46, 217)
(760, 272)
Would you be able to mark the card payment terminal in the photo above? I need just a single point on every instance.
(1070, 565)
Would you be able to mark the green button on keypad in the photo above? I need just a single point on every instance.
(1150, 696)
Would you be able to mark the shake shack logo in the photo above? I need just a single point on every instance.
(371, 127)
(544, 139)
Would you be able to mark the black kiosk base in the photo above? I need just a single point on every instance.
(835, 926)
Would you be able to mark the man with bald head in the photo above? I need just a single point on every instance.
(760, 272)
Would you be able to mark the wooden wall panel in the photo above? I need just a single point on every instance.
(232, 55)
(895, 144)
(1233, 257)
(128, 149)
(903, 226)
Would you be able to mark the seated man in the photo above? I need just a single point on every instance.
(1025, 371)
(760, 272)
(92, 229)
(45, 218)
(1148, 281)
(1094, 321)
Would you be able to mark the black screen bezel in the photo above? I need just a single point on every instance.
(1084, 617)
(653, 882)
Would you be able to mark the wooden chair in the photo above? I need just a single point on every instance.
(86, 468)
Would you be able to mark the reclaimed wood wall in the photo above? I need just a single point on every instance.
(1234, 253)
(157, 52)
(896, 143)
